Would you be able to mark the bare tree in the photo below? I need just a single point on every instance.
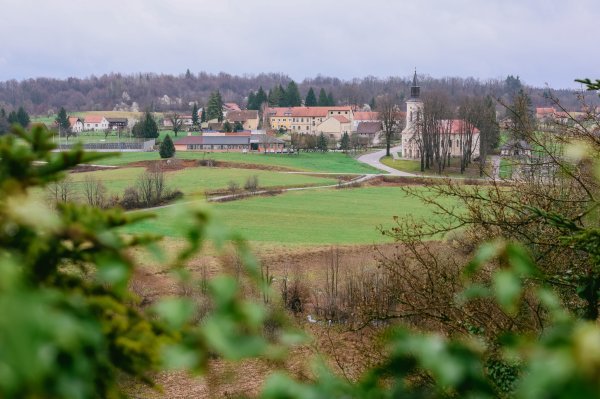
(176, 121)
(94, 192)
(61, 191)
(391, 119)
(470, 112)
(151, 186)
(433, 132)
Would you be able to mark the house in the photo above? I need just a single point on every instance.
(370, 130)
(247, 118)
(95, 123)
(228, 107)
(364, 116)
(518, 148)
(229, 143)
(306, 119)
(455, 132)
(76, 124)
(186, 121)
(117, 123)
(335, 126)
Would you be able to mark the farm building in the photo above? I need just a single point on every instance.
(230, 142)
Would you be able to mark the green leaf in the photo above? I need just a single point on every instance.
(507, 289)
(175, 311)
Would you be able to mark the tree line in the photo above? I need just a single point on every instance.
(118, 91)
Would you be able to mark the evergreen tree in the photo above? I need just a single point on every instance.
(330, 100)
(195, 121)
(311, 99)
(62, 120)
(275, 97)
(251, 104)
(22, 117)
(167, 148)
(345, 142)
(214, 108)
(203, 115)
(227, 127)
(261, 98)
(3, 122)
(323, 100)
(373, 104)
(292, 95)
(283, 97)
(188, 74)
(146, 128)
(12, 118)
(322, 143)
(238, 127)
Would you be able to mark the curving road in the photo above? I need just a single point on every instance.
(373, 158)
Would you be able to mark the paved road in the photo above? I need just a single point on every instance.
(373, 158)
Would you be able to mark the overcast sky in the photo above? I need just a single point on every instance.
(542, 41)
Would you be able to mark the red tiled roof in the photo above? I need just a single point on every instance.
(73, 120)
(93, 118)
(366, 116)
(368, 127)
(242, 116)
(340, 108)
(545, 111)
(341, 119)
(232, 106)
(458, 125)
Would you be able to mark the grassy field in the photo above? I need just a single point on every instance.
(347, 216)
(194, 181)
(310, 162)
(506, 168)
(414, 166)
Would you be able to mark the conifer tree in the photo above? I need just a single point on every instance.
(323, 100)
(23, 117)
(251, 104)
(146, 128)
(195, 121)
(330, 100)
(372, 104)
(214, 108)
(203, 115)
(167, 148)
(227, 127)
(261, 98)
(345, 142)
(275, 97)
(3, 122)
(292, 95)
(322, 143)
(311, 99)
(62, 120)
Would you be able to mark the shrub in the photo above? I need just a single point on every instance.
(251, 183)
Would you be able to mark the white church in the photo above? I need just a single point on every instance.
(410, 134)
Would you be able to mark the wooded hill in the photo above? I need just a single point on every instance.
(159, 92)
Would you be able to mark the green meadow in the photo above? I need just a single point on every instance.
(331, 162)
(195, 181)
(311, 217)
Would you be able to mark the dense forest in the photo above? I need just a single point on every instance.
(159, 92)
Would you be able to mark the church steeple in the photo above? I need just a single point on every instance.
(415, 90)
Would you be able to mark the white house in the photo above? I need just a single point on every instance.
(95, 122)
(76, 124)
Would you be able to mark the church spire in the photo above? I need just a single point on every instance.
(415, 90)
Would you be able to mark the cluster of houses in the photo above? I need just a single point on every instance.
(93, 123)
